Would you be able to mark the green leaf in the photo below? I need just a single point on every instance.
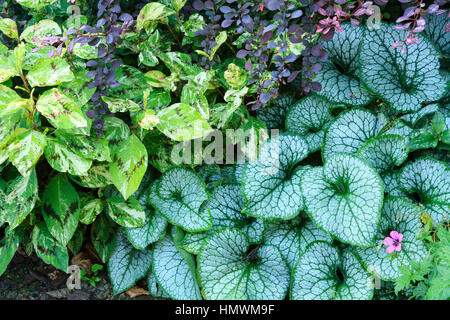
(405, 80)
(435, 29)
(61, 209)
(178, 4)
(64, 160)
(90, 209)
(182, 122)
(127, 213)
(94, 148)
(220, 39)
(147, 119)
(344, 198)
(26, 150)
(34, 4)
(129, 165)
(153, 12)
(97, 177)
(424, 140)
(103, 237)
(384, 152)
(116, 131)
(7, 95)
(9, 28)
(77, 88)
(324, 273)
(271, 184)
(350, 130)
(339, 79)
(429, 180)
(8, 67)
(309, 118)
(10, 118)
(274, 116)
(40, 30)
(8, 247)
(438, 123)
(48, 249)
(127, 264)
(50, 72)
(120, 105)
(230, 269)
(178, 196)
(19, 199)
(175, 270)
(292, 237)
(400, 215)
(60, 110)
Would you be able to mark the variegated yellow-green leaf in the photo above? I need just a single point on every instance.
(60, 110)
(147, 119)
(128, 166)
(88, 147)
(7, 65)
(7, 95)
(48, 249)
(127, 213)
(63, 159)
(182, 122)
(153, 12)
(50, 72)
(8, 247)
(40, 30)
(10, 118)
(35, 4)
(61, 209)
(9, 28)
(120, 105)
(90, 209)
(26, 150)
(97, 177)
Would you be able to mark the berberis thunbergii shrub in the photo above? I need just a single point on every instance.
(114, 116)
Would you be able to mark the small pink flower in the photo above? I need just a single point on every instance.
(394, 242)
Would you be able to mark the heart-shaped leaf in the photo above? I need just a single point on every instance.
(435, 29)
(403, 80)
(127, 264)
(129, 165)
(324, 273)
(271, 184)
(384, 152)
(175, 271)
(339, 79)
(309, 118)
(274, 116)
(398, 214)
(178, 196)
(229, 268)
(344, 198)
(428, 179)
(350, 131)
(61, 209)
(292, 237)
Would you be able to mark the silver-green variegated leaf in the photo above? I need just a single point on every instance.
(339, 79)
(403, 80)
(350, 130)
(48, 249)
(384, 152)
(61, 209)
(392, 184)
(344, 198)
(87, 147)
(50, 72)
(309, 118)
(193, 241)
(40, 30)
(230, 269)
(97, 177)
(153, 230)
(60, 110)
(127, 264)
(413, 118)
(274, 116)
(19, 199)
(435, 29)
(64, 160)
(127, 213)
(429, 179)
(26, 150)
(271, 184)
(35, 4)
(292, 237)
(154, 288)
(175, 270)
(324, 273)
(398, 214)
(129, 165)
(178, 196)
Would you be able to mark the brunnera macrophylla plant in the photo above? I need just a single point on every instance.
(91, 111)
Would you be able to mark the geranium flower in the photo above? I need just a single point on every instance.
(394, 242)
